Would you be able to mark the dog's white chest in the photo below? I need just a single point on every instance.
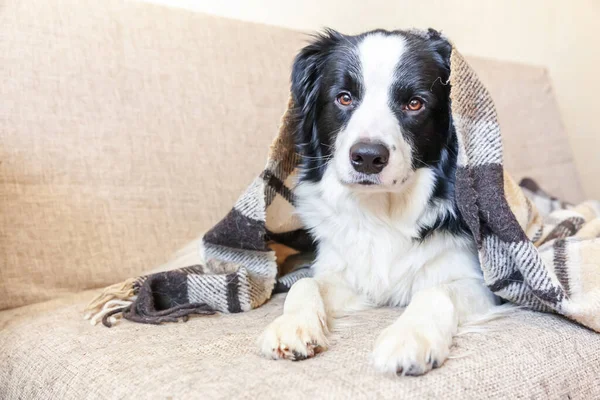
(377, 259)
(371, 243)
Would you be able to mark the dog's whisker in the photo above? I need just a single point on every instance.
(316, 158)
(451, 150)
(315, 168)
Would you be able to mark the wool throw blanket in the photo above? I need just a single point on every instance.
(548, 263)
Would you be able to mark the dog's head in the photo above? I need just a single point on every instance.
(373, 108)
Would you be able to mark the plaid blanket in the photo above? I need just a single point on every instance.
(548, 263)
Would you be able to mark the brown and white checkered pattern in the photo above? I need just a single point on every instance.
(245, 253)
(547, 264)
(550, 264)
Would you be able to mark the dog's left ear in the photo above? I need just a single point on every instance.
(307, 68)
(441, 45)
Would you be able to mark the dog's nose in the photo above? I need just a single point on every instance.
(369, 158)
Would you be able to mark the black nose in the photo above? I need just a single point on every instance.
(369, 158)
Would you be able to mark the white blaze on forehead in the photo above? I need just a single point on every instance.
(379, 56)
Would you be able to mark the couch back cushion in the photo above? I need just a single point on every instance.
(128, 129)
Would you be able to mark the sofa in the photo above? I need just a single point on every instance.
(127, 129)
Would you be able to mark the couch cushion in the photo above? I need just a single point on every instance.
(55, 354)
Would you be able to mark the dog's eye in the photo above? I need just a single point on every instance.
(344, 99)
(415, 104)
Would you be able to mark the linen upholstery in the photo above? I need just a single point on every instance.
(57, 355)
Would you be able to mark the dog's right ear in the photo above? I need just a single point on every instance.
(308, 65)
(441, 45)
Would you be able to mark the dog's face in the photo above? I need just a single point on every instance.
(373, 108)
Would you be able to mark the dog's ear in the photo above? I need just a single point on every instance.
(308, 65)
(441, 45)
(307, 74)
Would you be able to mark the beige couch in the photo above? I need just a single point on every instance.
(128, 129)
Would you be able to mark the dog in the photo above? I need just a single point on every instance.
(376, 192)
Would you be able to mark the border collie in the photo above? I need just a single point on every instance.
(376, 191)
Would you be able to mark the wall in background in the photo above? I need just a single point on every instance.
(559, 35)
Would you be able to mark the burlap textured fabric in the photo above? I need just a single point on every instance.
(57, 355)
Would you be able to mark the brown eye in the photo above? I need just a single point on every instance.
(344, 99)
(414, 104)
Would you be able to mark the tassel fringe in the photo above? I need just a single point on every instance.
(113, 300)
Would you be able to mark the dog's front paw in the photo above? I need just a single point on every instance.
(294, 336)
(410, 349)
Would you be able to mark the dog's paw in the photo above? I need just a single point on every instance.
(294, 336)
(410, 349)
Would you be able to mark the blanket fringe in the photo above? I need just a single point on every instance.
(113, 300)
(140, 313)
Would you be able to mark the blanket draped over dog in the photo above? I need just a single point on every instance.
(547, 263)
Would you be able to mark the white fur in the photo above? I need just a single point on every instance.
(368, 255)
(368, 238)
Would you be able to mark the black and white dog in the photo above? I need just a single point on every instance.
(377, 192)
